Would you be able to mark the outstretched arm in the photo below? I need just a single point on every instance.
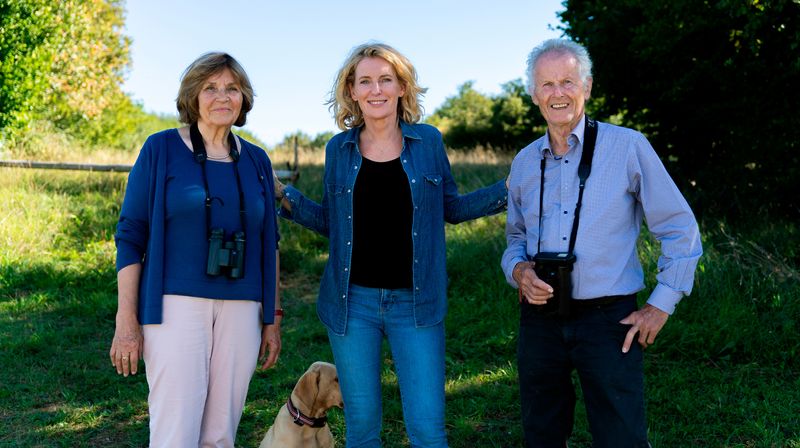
(295, 206)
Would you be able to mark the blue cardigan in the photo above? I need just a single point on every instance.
(143, 216)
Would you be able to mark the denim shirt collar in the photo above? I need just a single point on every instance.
(351, 137)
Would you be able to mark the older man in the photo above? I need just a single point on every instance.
(577, 229)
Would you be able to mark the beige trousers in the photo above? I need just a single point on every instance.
(199, 362)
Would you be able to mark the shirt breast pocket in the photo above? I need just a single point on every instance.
(334, 190)
(336, 198)
(432, 192)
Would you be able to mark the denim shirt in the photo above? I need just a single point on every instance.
(435, 197)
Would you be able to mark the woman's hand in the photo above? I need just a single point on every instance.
(280, 195)
(270, 343)
(127, 346)
(279, 186)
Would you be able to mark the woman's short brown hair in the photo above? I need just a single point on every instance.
(198, 73)
(347, 112)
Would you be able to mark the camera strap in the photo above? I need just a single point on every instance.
(584, 169)
(200, 156)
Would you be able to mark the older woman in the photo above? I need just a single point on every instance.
(388, 192)
(197, 263)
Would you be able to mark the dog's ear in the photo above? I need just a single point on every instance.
(308, 386)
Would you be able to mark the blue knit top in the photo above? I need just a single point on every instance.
(163, 224)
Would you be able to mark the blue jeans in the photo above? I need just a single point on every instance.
(590, 342)
(418, 355)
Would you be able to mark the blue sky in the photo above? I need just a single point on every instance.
(291, 49)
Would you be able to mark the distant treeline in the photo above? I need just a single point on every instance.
(712, 84)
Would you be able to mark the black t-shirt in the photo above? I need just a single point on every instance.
(382, 218)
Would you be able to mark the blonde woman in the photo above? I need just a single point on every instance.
(388, 192)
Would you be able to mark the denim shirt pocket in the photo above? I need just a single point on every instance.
(432, 191)
(337, 210)
(335, 190)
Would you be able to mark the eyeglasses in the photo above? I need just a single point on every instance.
(227, 92)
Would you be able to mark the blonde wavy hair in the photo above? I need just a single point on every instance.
(347, 112)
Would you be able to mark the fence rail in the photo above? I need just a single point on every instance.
(290, 175)
(64, 166)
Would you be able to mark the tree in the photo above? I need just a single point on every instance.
(304, 140)
(61, 61)
(513, 118)
(712, 84)
(465, 120)
(503, 122)
(321, 139)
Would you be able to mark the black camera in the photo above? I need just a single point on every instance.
(225, 257)
(555, 269)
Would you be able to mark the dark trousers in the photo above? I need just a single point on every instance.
(590, 341)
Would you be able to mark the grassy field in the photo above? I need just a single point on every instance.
(723, 373)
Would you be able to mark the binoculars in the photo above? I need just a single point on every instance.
(225, 257)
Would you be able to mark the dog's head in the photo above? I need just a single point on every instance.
(319, 389)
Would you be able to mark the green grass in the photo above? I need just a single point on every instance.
(723, 373)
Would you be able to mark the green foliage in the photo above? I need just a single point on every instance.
(62, 62)
(513, 117)
(470, 118)
(321, 139)
(305, 141)
(61, 68)
(711, 84)
(464, 119)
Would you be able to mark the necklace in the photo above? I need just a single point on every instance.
(210, 157)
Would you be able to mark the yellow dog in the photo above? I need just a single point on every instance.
(302, 421)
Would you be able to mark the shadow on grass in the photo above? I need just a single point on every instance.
(58, 387)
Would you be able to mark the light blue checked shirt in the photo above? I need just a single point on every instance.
(628, 182)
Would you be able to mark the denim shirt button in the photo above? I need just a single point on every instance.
(413, 181)
(405, 160)
(349, 217)
(415, 233)
(348, 190)
(416, 261)
(355, 167)
(345, 269)
(348, 243)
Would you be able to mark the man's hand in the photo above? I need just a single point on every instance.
(647, 321)
(533, 289)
